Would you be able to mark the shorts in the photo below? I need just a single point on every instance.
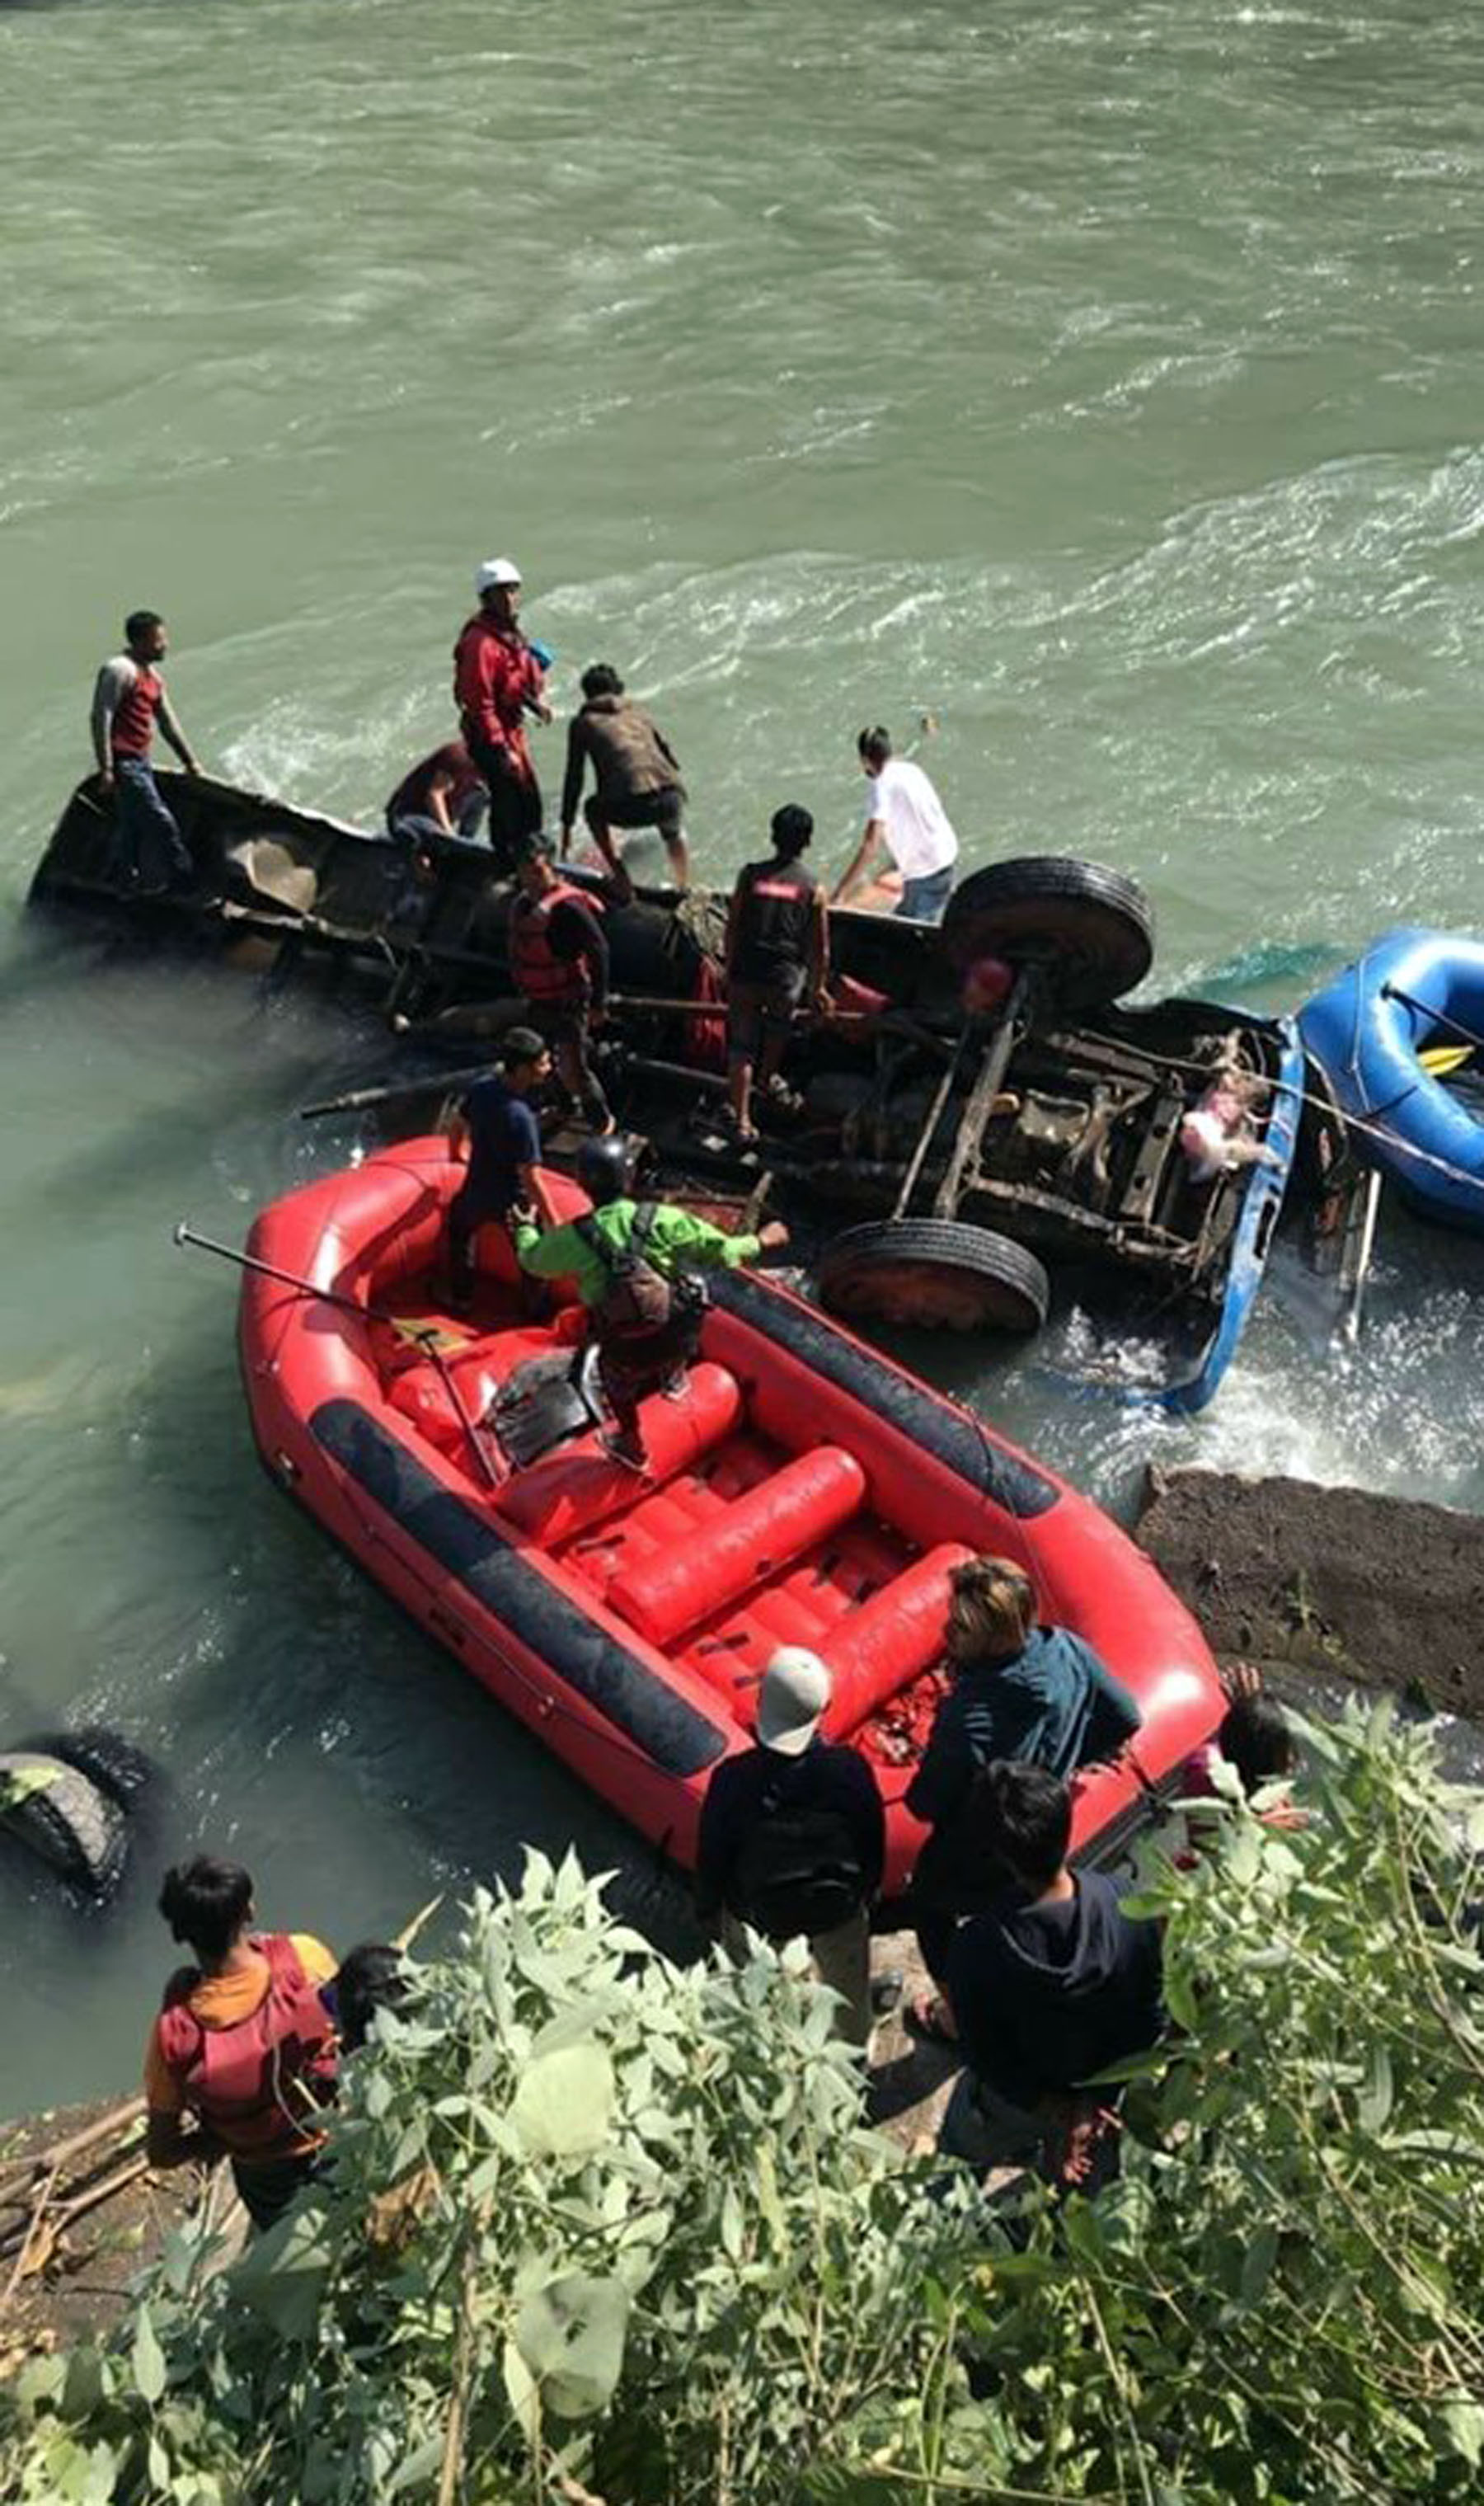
(753, 1009)
(664, 809)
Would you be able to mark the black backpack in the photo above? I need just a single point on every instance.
(637, 1299)
(799, 1871)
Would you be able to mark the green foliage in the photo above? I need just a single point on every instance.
(599, 2227)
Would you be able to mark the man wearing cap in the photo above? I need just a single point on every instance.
(496, 681)
(792, 1838)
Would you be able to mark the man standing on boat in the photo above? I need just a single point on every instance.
(628, 1261)
(129, 700)
(559, 960)
(637, 771)
(777, 955)
(496, 681)
(495, 1125)
(905, 815)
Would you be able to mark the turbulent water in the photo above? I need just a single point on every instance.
(1100, 379)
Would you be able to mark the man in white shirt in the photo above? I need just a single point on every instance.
(904, 814)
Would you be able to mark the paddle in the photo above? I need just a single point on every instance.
(431, 1338)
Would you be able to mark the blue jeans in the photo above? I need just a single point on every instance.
(151, 844)
(923, 899)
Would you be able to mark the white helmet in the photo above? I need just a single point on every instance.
(494, 574)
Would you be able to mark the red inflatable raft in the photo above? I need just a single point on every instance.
(803, 1489)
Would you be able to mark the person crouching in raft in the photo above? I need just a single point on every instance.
(243, 2041)
(629, 1262)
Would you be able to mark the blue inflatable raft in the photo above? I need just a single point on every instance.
(1414, 993)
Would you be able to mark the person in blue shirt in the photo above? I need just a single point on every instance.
(1033, 1693)
(495, 1125)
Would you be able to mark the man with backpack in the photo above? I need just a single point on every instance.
(792, 1838)
(631, 1264)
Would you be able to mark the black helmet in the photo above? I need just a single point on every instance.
(602, 1169)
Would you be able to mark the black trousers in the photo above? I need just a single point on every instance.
(514, 801)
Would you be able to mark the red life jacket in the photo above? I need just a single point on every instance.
(540, 974)
(258, 2082)
(133, 723)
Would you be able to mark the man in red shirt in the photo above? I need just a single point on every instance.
(443, 795)
(497, 680)
(128, 700)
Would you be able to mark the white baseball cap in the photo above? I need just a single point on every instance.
(494, 573)
(796, 1690)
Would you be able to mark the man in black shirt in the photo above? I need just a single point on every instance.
(496, 1125)
(792, 1838)
(777, 951)
(1050, 1986)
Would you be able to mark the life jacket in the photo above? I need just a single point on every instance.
(539, 972)
(260, 2081)
(774, 922)
(638, 1300)
(133, 722)
(798, 1871)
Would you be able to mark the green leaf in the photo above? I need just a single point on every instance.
(1464, 2424)
(1258, 2265)
(570, 2335)
(522, 2392)
(563, 2107)
(417, 2468)
(1373, 2105)
(282, 2275)
(149, 2360)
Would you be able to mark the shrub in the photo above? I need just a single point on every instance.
(600, 2226)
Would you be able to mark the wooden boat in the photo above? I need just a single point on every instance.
(293, 891)
(802, 1489)
(972, 1151)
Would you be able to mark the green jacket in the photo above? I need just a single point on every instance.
(675, 1236)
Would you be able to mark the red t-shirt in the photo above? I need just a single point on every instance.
(451, 764)
(495, 675)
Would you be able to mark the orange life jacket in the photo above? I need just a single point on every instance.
(260, 2081)
(540, 974)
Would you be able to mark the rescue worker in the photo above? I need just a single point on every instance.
(903, 815)
(495, 1125)
(559, 962)
(777, 953)
(637, 771)
(243, 2041)
(128, 701)
(496, 681)
(792, 1838)
(442, 795)
(628, 1260)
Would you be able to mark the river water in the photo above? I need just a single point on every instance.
(1100, 379)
